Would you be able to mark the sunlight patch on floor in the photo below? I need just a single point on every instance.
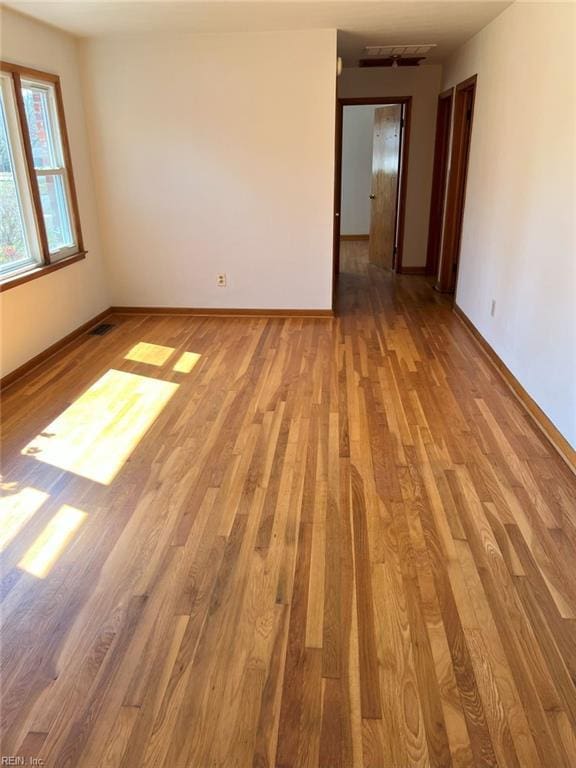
(50, 544)
(186, 362)
(16, 509)
(153, 354)
(98, 432)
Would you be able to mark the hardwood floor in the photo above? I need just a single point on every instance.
(286, 542)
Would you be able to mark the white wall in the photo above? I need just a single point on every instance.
(38, 313)
(518, 239)
(423, 84)
(357, 137)
(215, 153)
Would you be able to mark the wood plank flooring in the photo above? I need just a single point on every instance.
(285, 542)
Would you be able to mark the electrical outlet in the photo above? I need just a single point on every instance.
(493, 308)
(221, 280)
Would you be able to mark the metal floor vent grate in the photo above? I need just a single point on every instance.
(101, 329)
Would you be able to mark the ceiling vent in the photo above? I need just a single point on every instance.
(395, 55)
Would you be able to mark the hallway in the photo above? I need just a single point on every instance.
(286, 542)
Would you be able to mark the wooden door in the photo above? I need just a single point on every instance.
(456, 195)
(441, 148)
(384, 195)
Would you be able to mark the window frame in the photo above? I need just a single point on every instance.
(49, 262)
(23, 192)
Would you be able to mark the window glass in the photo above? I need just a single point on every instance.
(38, 116)
(14, 247)
(42, 120)
(56, 214)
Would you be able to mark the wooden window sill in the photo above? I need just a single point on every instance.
(32, 274)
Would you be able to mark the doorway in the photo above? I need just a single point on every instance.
(439, 177)
(376, 204)
(456, 194)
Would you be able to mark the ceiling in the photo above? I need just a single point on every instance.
(360, 22)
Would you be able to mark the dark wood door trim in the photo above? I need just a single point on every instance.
(456, 194)
(406, 102)
(468, 83)
(439, 177)
(337, 202)
(402, 182)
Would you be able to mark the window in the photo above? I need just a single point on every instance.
(39, 225)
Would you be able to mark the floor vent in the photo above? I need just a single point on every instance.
(101, 329)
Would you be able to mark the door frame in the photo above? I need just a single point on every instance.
(439, 180)
(456, 194)
(406, 102)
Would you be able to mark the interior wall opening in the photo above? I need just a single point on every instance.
(456, 190)
(371, 163)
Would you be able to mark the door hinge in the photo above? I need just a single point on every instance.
(401, 122)
(395, 250)
(469, 113)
